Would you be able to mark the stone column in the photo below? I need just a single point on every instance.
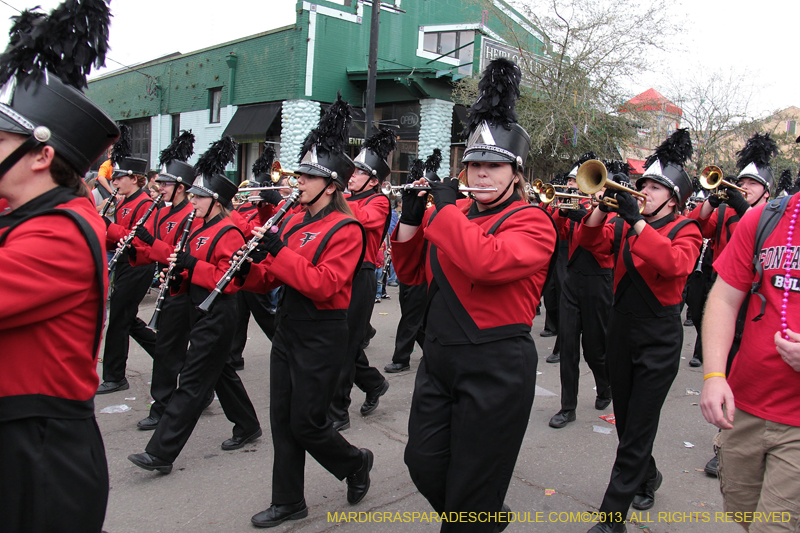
(298, 118)
(436, 123)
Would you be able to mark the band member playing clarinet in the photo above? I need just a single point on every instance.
(485, 260)
(645, 335)
(315, 256)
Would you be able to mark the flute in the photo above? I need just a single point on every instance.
(129, 237)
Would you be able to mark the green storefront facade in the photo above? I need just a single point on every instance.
(272, 86)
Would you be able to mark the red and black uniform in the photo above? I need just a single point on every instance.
(555, 282)
(475, 384)
(206, 367)
(373, 211)
(644, 339)
(52, 261)
(130, 286)
(316, 268)
(166, 226)
(586, 299)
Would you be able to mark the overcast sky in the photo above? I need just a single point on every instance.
(760, 37)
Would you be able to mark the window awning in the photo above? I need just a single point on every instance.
(637, 166)
(251, 122)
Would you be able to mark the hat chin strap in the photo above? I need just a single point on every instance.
(657, 211)
(766, 190)
(499, 198)
(318, 196)
(22, 150)
(370, 178)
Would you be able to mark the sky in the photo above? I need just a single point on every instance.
(757, 37)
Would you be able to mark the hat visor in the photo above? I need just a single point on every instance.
(10, 125)
(312, 171)
(363, 167)
(756, 177)
(486, 156)
(197, 191)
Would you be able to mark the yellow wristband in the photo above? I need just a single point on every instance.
(714, 375)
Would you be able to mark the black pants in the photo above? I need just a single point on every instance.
(356, 368)
(130, 286)
(54, 476)
(551, 292)
(469, 413)
(257, 304)
(305, 364)
(172, 340)
(697, 288)
(409, 329)
(584, 308)
(206, 369)
(643, 359)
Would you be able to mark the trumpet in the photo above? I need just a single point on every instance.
(277, 173)
(593, 176)
(713, 178)
(396, 190)
(547, 193)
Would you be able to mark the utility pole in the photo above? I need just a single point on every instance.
(372, 68)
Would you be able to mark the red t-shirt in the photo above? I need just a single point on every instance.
(762, 383)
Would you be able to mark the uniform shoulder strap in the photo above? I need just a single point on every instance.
(334, 229)
(219, 235)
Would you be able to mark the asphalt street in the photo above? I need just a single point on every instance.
(560, 476)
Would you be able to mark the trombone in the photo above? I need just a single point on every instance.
(396, 190)
(713, 178)
(593, 176)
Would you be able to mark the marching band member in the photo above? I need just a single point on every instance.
(475, 384)
(316, 255)
(213, 241)
(54, 476)
(645, 334)
(130, 282)
(372, 210)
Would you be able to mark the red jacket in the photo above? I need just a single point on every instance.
(372, 210)
(52, 303)
(566, 232)
(165, 225)
(127, 213)
(710, 226)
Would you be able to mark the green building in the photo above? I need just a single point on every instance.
(272, 86)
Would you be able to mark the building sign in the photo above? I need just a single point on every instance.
(491, 50)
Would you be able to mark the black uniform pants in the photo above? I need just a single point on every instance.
(172, 340)
(697, 288)
(130, 286)
(468, 417)
(259, 305)
(583, 320)
(54, 476)
(356, 368)
(206, 369)
(551, 292)
(409, 329)
(305, 364)
(643, 359)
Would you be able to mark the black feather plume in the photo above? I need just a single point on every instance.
(124, 146)
(559, 179)
(585, 157)
(615, 166)
(795, 187)
(332, 133)
(758, 149)
(677, 149)
(696, 186)
(180, 149)
(499, 91)
(263, 165)
(434, 161)
(217, 157)
(65, 44)
(417, 171)
(785, 181)
(382, 143)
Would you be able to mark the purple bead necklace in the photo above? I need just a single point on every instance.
(787, 278)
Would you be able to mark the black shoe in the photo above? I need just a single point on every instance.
(712, 466)
(371, 401)
(209, 400)
(501, 526)
(238, 364)
(601, 403)
(358, 481)
(609, 527)
(235, 443)
(547, 333)
(646, 496)
(341, 425)
(150, 462)
(370, 335)
(562, 418)
(394, 368)
(554, 357)
(695, 362)
(278, 514)
(113, 386)
(148, 423)
(688, 323)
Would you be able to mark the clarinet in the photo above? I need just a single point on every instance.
(699, 267)
(111, 201)
(129, 237)
(162, 291)
(237, 263)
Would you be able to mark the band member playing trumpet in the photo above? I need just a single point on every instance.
(485, 260)
(659, 250)
(315, 255)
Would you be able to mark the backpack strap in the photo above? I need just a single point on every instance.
(769, 219)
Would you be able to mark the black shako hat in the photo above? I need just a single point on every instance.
(123, 163)
(172, 161)
(753, 160)
(43, 71)
(262, 167)
(323, 153)
(210, 170)
(493, 131)
(374, 152)
(666, 165)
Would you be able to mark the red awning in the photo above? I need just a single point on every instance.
(637, 166)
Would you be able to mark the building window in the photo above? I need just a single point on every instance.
(140, 135)
(215, 104)
(175, 130)
(443, 42)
